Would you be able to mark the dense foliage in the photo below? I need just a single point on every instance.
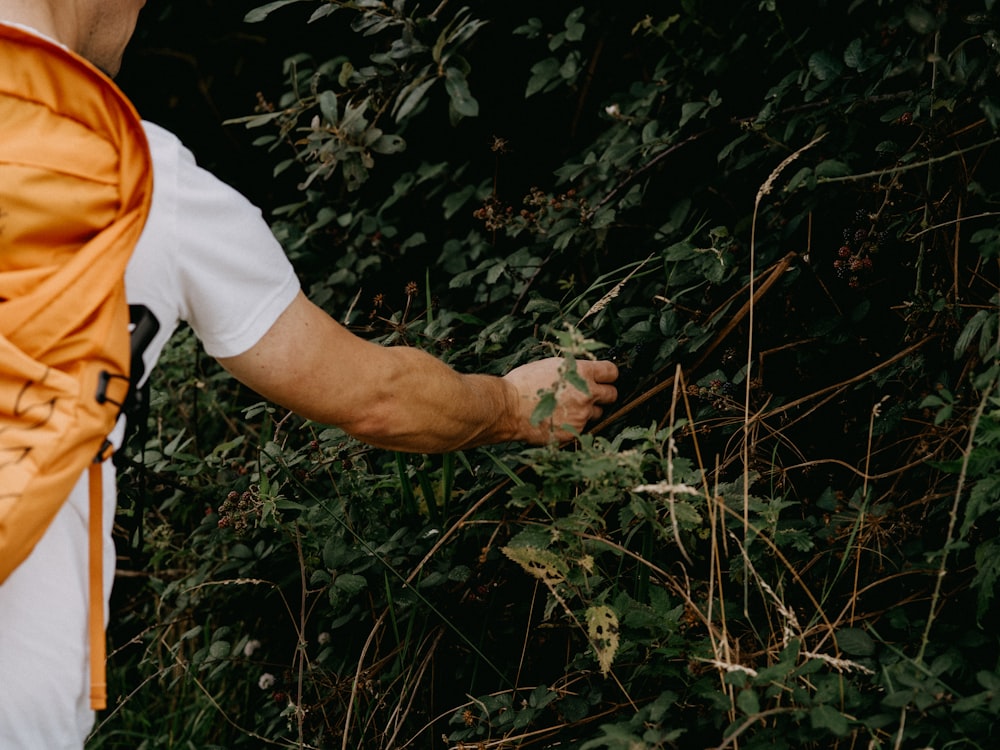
(779, 218)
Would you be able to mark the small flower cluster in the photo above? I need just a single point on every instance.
(239, 509)
(494, 214)
(540, 208)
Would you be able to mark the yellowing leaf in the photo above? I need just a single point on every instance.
(541, 563)
(602, 627)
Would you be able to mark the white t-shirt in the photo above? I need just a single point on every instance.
(207, 257)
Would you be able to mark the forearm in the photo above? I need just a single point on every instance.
(398, 398)
(416, 403)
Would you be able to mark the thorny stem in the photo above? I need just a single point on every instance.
(864, 502)
(953, 518)
(749, 722)
(902, 725)
(300, 713)
(671, 447)
(930, 177)
(906, 167)
(959, 220)
(745, 449)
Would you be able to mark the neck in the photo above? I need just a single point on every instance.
(41, 15)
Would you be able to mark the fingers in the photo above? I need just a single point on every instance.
(604, 394)
(600, 374)
(600, 371)
(575, 408)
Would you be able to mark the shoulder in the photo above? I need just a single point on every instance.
(229, 277)
(164, 145)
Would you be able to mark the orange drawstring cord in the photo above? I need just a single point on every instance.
(98, 676)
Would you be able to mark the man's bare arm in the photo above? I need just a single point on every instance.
(402, 398)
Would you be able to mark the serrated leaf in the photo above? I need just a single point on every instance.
(824, 66)
(541, 74)
(748, 702)
(855, 642)
(602, 628)
(541, 563)
(544, 408)
(829, 718)
(350, 583)
(576, 380)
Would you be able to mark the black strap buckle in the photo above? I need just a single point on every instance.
(104, 378)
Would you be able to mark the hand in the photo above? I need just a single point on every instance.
(574, 408)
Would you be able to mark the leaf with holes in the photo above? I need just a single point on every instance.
(540, 563)
(602, 628)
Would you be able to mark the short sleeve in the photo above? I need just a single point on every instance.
(207, 252)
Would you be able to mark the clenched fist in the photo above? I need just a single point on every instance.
(573, 407)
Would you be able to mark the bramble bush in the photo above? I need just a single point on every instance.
(778, 218)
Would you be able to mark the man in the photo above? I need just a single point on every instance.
(207, 257)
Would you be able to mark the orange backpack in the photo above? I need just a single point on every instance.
(75, 189)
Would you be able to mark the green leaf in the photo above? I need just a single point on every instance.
(388, 144)
(832, 168)
(530, 29)
(541, 696)
(457, 87)
(328, 106)
(987, 575)
(920, 19)
(829, 718)
(805, 176)
(411, 96)
(860, 59)
(824, 66)
(689, 110)
(455, 201)
(544, 408)
(260, 13)
(350, 583)
(573, 709)
(992, 111)
(542, 73)
(855, 642)
(574, 28)
(748, 702)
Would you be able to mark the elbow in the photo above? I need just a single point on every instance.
(376, 423)
(378, 414)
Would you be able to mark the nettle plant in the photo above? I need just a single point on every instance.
(778, 220)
